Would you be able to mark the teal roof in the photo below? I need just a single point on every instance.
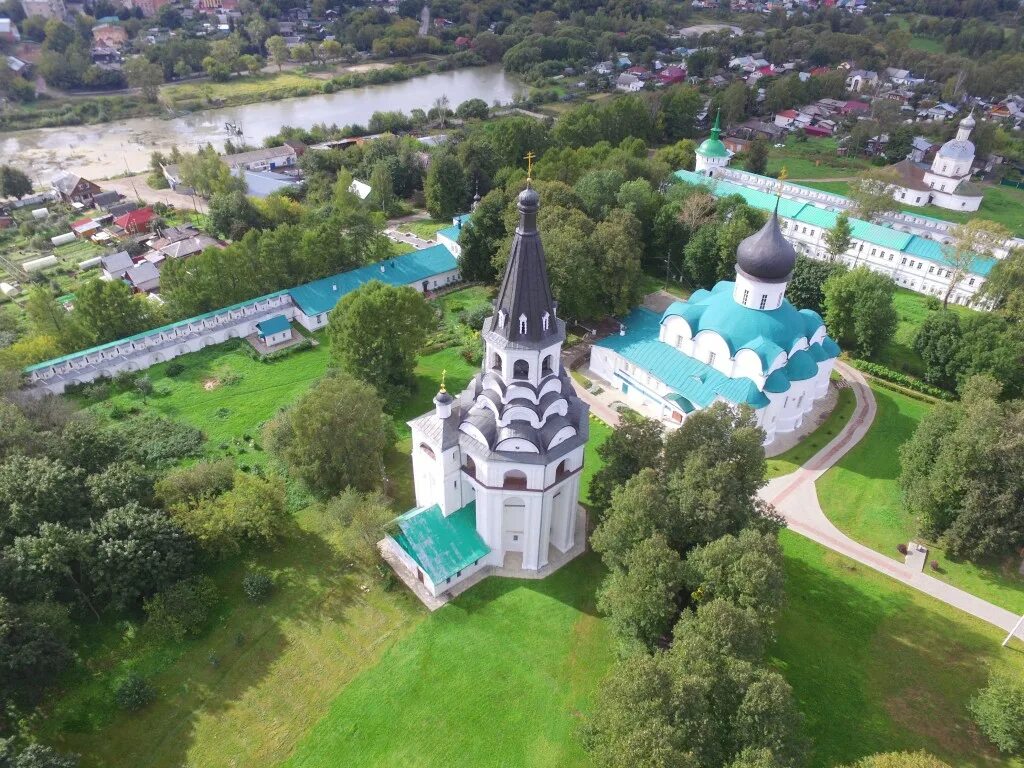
(765, 349)
(740, 326)
(682, 402)
(812, 321)
(410, 267)
(321, 296)
(830, 347)
(777, 382)
(452, 233)
(818, 352)
(273, 325)
(712, 148)
(801, 366)
(691, 379)
(441, 546)
(811, 214)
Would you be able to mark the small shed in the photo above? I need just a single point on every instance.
(274, 330)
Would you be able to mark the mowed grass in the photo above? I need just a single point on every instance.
(877, 666)
(812, 159)
(862, 496)
(1000, 204)
(912, 310)
(425, 229)
(502, 676)
(797, 456)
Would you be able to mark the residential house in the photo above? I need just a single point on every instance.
(136, 222)
(116, 265)
(856, 108)
(265, 183)
(922, 150)
(19, 67)
(110, 35)
(9, 31)
(902, 77)
(860, 80)
(274, 330)
(786, 118)
(48, 9)
(360, 189)
(628, 83)
(71, 188)
(143, 277)
(671, 75)
(285, 156)
(105, 199)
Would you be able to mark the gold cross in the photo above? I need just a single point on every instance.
(444, 373)
(529, 164)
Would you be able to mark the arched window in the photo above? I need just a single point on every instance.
(563, 469)
(545, 320)
(545, 368)
(427, 450)
(514, 478)
(521, 370)
(522, 323)
(501, 318)
(496, 362)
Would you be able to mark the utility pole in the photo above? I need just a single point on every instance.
(1013, 631)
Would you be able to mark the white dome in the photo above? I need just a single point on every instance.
(968, 122)
(957, 150)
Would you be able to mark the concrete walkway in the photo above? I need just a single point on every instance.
(796, 498)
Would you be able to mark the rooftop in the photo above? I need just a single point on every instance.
(441, 546)
(272, 325)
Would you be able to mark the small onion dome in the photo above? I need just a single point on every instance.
(529, 198)
(969, 121)
(443, 404)
(767, 254)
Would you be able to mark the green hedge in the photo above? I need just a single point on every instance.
(886, 374)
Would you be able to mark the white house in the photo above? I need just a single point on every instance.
(740, 343)
(629, 83)
(274, 330)
(497, 467)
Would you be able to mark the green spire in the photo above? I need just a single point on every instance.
(713, 146)
(716, 129)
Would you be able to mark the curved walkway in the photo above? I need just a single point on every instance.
(795, 497)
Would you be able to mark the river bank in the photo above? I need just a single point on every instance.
(124, 146)
(195, 95)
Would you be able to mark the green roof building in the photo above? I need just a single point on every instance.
(712, 152)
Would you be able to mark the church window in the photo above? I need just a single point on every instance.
(931, 270)
(746, 295)
(764, 300)
(971, 281)
(522, 323)
(873, 251)
(520, 369)
(427, 450)
(679, 341)
(904, 260)
(711, 358)
(501, 318)
(544, 320)
(545, 367)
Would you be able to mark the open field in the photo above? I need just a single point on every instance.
(795, 457)
(427, 229)
(862, 496)
(239, 90)
(812, 159)
(912, 309)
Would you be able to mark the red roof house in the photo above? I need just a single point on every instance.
(856, 108)
(135, 222)
(462, 42)
(670, 75)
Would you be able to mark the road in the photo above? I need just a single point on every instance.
(136, 188)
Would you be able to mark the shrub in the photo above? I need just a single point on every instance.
(151, 439)
(133, 693)
(935, 565)
(257, 586)
(998, 710)
(174, 369)
(888, 374)
(901, 548)
(183, 608)
(474, 318)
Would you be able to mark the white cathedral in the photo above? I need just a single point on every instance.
(497, 467)
(946, 182)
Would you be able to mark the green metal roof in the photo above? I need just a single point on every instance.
(321, 295)
(801, 366)
(777, 382)
(441, 546)
(809, 213)
(452, 233)
(712, 148)
(698, 382)
(273, 325)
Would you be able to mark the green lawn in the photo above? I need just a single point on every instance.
(812, 159)
(1000, 204)
(796, 456)
(239, 90)
(425, 229)
(861, 495)
(877, 666)
(500, 677)
(912, 308)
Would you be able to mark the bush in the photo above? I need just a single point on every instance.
(901, 548)
(888, 374)
(257, 586)
(174, 369)
(474, 318)
(182, 609)
(998, 709)
(151, 439)
(203, 480)
(133, 693)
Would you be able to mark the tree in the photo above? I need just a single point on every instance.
(207, 174)
(182, 609)
(233, 214)
(382, 190)
(640, 599)
(805, 289)
(118, 485)
(37, 755)
(143, 74)
(14, 182)
(938, 343)
(38, 490)
(107, 309)
(445, 186)
(302, 52)
(679, 107)
(335, 436)
(635, 444)
(969, 241)
(998, 710)
(364, 518)
(960, 472)
(757, 155)
(1005, 284)
(859, 310)
(329, 50)
(900, 760)
(277, 50)
(472, 109)
(381, 354)
(441, 110)
(839, 238)
(872, 193)
(33, 647)
(481, 237)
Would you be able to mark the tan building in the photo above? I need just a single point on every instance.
(48, 9)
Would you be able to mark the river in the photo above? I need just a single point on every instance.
(112, 149)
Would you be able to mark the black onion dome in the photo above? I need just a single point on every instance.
(767, 254)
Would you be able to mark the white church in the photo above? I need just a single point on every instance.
(741, 343)
(712, 152)
(946, 182)
(497, 466)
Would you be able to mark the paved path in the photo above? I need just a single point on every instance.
(795, 497)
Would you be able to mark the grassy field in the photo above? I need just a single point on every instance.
(1000, 204)
(912, 309)
(239, 90)
(500, 677)
(812, 159)
(861, 495)
(427, 229)
(796, 456)
(877, 666)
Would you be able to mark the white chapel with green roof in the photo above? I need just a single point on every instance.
(741, 343)
(497, 466)
(712, 152)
